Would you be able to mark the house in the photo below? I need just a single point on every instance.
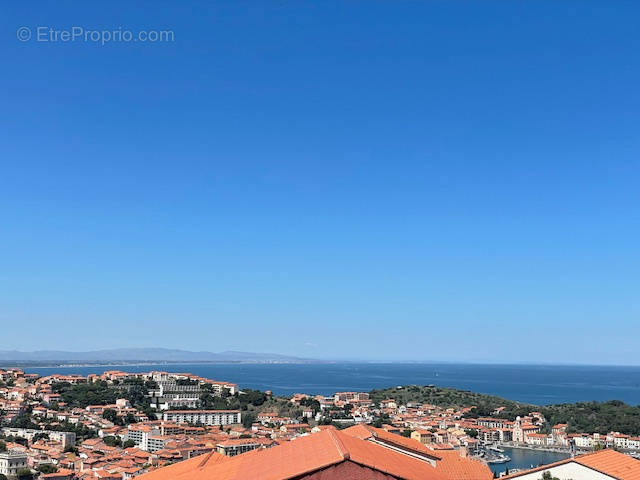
(389, 403)
(62, 474)
(358, 452)
(536, 439)
(423, 436)
(328, 455)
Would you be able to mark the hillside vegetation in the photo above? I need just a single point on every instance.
(444, 397)
(587, 417)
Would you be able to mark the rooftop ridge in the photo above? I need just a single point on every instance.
(205, 459)
(374, 434)
(342, 449)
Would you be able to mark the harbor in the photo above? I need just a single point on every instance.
(502, 459)
(492, 455)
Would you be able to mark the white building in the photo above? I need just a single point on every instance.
(140, 435)
(204, 417)
(155, 443)
(583, 441)
(67, 439)
(177, 390)
(12, 461)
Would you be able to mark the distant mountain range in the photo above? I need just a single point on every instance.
(147, 355)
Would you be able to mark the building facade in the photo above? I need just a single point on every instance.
(203, 417)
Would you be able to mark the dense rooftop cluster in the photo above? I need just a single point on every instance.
(119, 425)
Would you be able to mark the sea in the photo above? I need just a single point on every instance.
(535, 384)
(522, 459)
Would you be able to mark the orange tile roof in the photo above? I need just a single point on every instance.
(609, 462)
(456, 467)
(449, 462)
(368, 432)
(612, 463)
(186, 466)
(304, 455)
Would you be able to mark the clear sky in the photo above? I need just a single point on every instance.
(399, 180)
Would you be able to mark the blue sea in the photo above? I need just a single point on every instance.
(540, 385)
(523, 459)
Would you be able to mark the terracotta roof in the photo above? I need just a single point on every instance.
(456, 467)
(609, 462)
(186, 466)
(369, 432)
(449, 462)
(612, 463)
(304, 455)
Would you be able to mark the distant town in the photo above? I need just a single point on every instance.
(119, 425)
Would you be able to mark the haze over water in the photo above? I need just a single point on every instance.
(540, 385)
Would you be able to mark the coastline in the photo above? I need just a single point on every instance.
(541, 448)
(138, 363)
(544, 385)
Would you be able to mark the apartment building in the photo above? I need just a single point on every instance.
(156, 442)
(140, 435)
(204, 417)
(351, 397)
(67, 439)
(490, 422)
(173, 391)
(12, 461)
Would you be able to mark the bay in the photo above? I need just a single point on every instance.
(536, 384)
(523, 459)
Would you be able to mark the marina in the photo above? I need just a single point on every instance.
(492, 455)
(523, 458)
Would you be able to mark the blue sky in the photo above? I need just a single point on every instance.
(395, 180)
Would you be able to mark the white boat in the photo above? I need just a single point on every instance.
(499, 459)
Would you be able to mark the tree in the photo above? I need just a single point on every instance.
(547, 476)
(24, 420)
(248, 419)
(40, 435)
(47, 468)
(129, 444)
(22, 441)
(3, 446)
(25, 474)
(111, 415)
(83, 394)
(112, 441)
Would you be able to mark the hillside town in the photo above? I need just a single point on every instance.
(119, 425)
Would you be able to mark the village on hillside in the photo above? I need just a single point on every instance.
(119, 425)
